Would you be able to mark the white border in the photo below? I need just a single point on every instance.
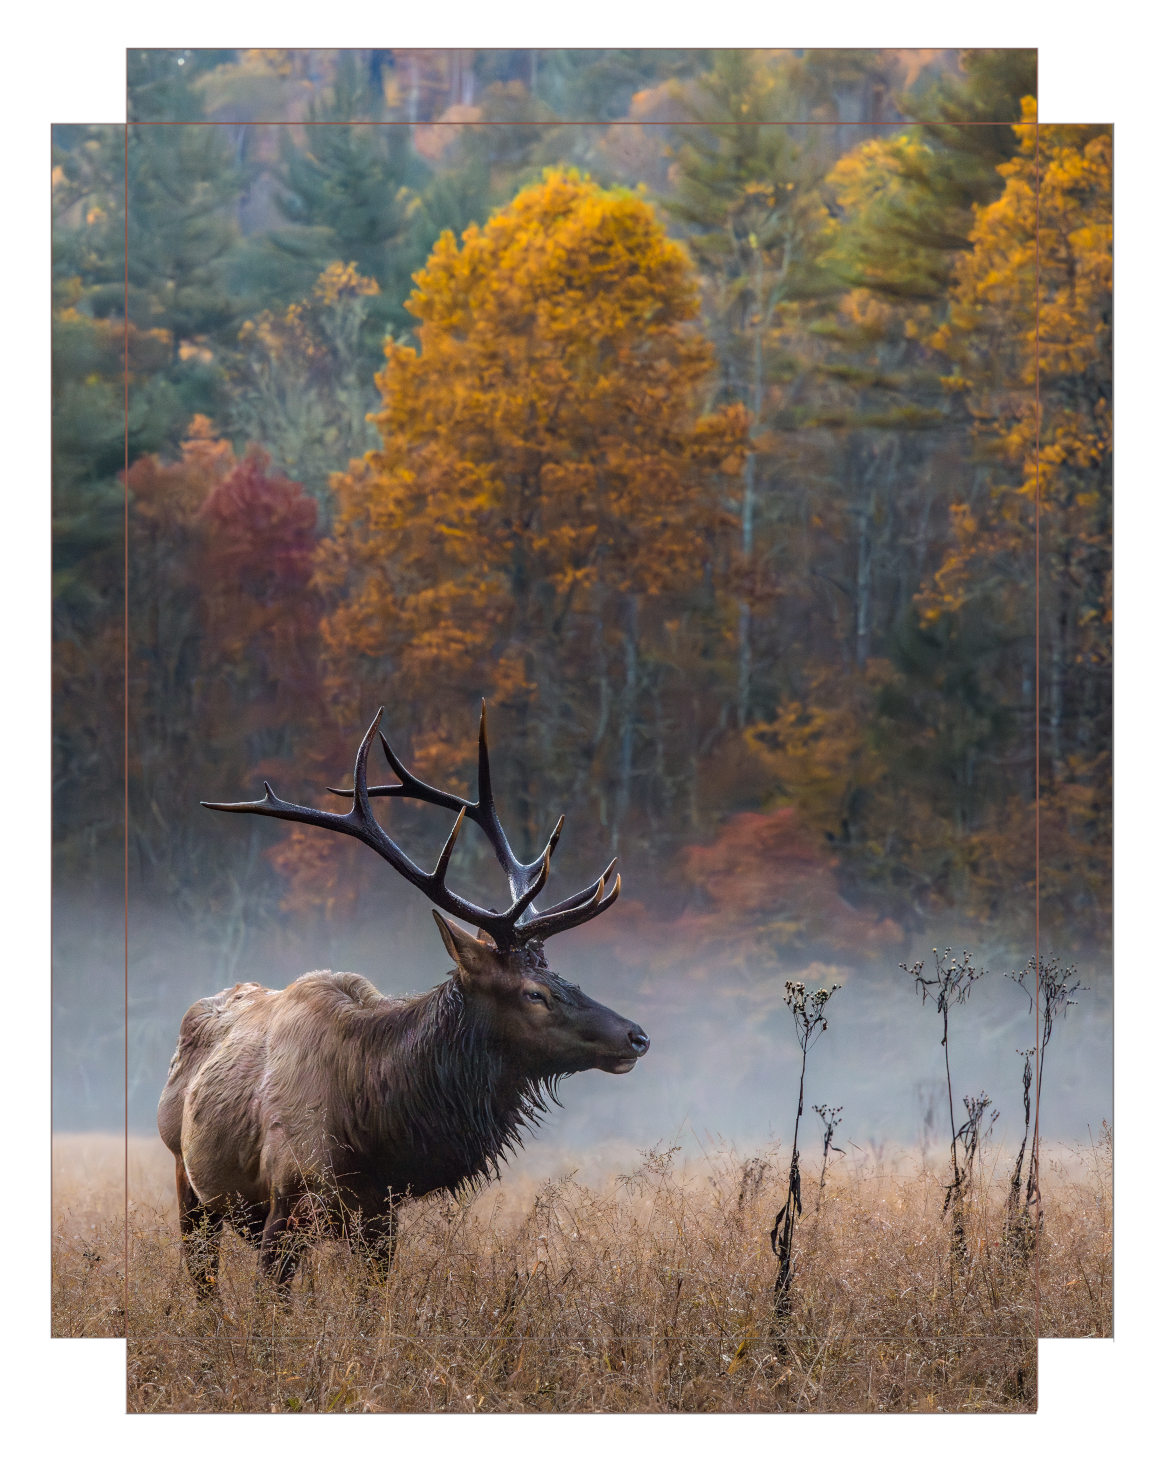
(67, 64)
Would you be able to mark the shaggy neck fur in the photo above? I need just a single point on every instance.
(442, 1088)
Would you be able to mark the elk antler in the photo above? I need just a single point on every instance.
(519, 923)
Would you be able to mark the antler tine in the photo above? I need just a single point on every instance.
(272, 805)
(484, 815)
(546, 925)
(397, 766)
(483, 771)
(440, 873)
(592, 905)
(360, 793)
(268, 803)
(577, 900)
(408, 786)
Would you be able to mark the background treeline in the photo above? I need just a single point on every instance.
(711, 462)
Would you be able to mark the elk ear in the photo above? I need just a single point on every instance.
(471, 955)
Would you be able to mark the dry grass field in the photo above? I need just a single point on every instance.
(650, 1291)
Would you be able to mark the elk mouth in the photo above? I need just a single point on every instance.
(619, 1065)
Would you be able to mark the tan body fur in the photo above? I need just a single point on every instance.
(255, 1102)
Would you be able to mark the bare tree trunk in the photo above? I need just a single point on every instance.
(863, 586)
(525, 798)
(1057, 657)
(603, 692)
(748, 500)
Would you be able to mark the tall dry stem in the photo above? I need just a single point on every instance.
(1053, 990)
(951, 985)
(810, 1023)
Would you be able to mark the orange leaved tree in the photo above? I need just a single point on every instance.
(1030, 329)
(548, 482)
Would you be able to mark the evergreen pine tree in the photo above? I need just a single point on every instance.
(350, 194)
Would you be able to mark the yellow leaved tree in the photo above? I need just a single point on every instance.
(548, 482)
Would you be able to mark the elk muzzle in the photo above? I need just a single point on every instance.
(635, 1043)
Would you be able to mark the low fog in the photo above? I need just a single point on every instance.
(723, 1066)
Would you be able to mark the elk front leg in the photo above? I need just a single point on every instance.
(378, 1244)
(201, 1236)
(278, 1253)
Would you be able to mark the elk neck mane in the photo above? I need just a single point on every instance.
(439, 1083)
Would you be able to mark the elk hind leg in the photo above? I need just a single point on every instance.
(201, 1236)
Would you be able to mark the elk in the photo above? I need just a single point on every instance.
(330, 1098)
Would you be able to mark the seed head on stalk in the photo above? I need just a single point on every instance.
(831, 1119)
(807, 1008)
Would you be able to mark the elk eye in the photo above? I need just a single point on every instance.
(535, 995)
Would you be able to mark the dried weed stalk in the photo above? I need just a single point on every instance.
(950, 985)
(810, 1023)
(970, 1136)
(831, 1119)
(1055, 988)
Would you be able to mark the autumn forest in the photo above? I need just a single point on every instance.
(704, 413)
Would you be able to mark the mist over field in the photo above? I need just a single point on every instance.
(723, 1063)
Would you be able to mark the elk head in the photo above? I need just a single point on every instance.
(549, 1025)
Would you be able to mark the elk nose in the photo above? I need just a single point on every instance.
(638, 1040)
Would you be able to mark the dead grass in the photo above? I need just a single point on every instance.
(648, 1293)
